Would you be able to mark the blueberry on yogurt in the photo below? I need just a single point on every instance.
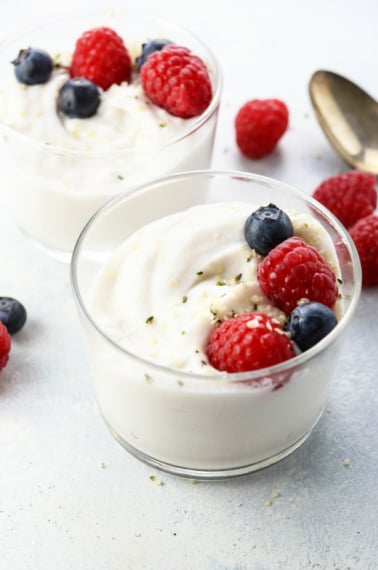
(309, 322)
(33, 66)
(12, 314)
(148, 48)
(267, 227)
(79, 98)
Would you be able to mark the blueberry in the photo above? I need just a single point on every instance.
(149, 48)
(33, 66)
(12, 314)
(267, 227)
(79, 97)
(309, 322)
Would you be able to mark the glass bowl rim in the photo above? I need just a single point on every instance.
(236, 377)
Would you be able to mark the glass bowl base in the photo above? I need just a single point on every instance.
(209, 474)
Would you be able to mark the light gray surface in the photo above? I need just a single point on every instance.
(70, 496)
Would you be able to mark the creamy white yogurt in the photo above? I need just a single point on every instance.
(124, 119)
(158, 298)
(162, 293)
(61, 170)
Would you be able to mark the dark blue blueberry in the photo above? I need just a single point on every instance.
(148, 48)
(267, 227)
(12, 314)
(33, 66)
(309, 322)
(79, 97)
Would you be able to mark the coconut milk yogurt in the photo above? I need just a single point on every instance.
(61, 170)
(158, 298)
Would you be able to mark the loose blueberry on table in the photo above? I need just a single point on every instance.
(12, 314)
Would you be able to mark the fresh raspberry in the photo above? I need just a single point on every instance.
(101, 56)
(365, 236)
(177, 80)
(259, 125)
(349, 196)
(248, 342)
(294, 271)
(5, 345)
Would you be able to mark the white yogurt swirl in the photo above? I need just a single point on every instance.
(124, 119)
(163, 291)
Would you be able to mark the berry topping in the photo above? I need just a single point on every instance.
(308, 323)
(101, 56)
(5, 346)
(248, 342)
(349, 196)
(33, 66)
(12, 314)
(79, 97)
(294, 271)
(148, 48)
(177, 80)
(259, 125)
(365, 236)
(267, 227)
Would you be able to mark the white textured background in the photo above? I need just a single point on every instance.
(70, 496)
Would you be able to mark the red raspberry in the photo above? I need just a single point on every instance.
(248, 342)
(259, 125)
(101, 56)
(365, 236)
(178, 81)
(5, 345)
(293, 271)
(349, 196)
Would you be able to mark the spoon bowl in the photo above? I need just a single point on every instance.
(349, 118)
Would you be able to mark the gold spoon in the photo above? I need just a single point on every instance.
(348, 117)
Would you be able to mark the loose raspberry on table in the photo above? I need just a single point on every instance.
(259, 125)
(248, 342)
(5, 345)
(294, 271)
(349, 196)
(365, 236)
(178, 81)
(101, 56)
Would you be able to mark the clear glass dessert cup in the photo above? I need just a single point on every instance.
(53, 190)
(201, 426)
